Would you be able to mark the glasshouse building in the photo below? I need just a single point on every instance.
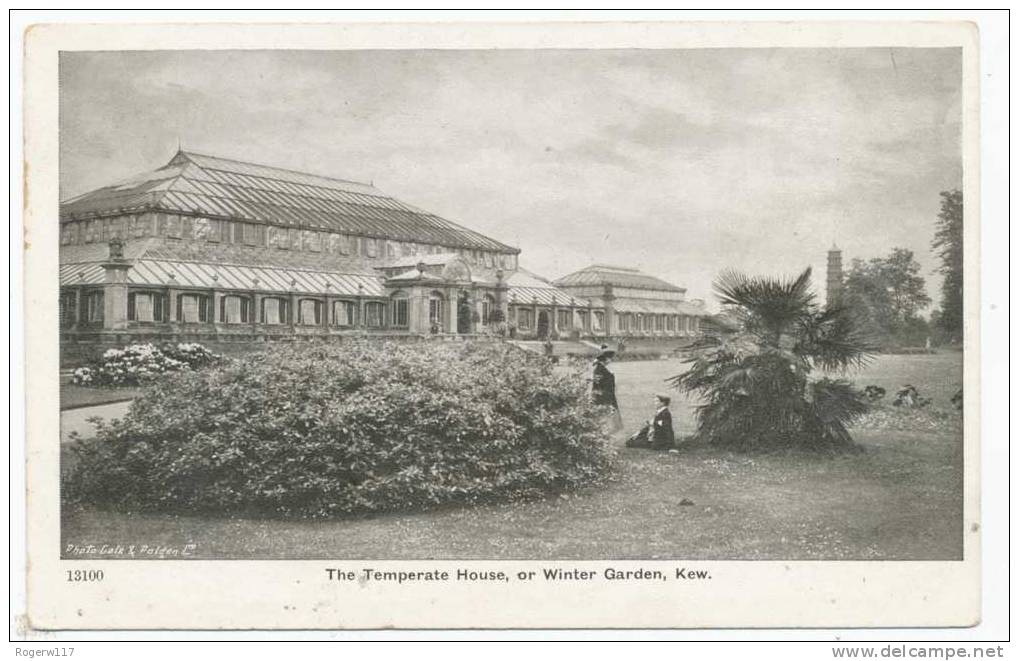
(219, 250)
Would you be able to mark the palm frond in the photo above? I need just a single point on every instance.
(831, 339)
(771, 304)
(834, 406)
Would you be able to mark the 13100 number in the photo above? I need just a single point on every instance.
(84, 575)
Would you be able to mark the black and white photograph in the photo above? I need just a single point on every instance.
(555, 317)
(487, 305)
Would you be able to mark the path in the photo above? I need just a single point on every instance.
(75, 419)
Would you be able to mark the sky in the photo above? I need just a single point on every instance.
(678, 162)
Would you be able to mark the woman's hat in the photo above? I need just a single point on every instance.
(665, 398)
(607, 353)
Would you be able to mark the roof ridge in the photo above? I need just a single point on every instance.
(188, 152)
(626, 269)
(152, 258)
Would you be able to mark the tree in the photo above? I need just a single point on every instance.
(947, 245)
(754, 374)
(886, 294)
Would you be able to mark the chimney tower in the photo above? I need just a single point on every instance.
(834, 289)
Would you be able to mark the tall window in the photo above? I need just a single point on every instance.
(92, 306)
(194, 309)
(585, 320)
(525, 318)
(599, 321)
(274, 311)
(249, 233)
(235, 310)
(400, 310)
(309, 312)
(93, 231)
(68, 313)
(695, 324)
(487, 306)
(659, 322)
(172, 224)
(215, 230)
(374, 314)
(345, 313)
(147, 307)
(564, 319)
(435, 310)
(141, 225)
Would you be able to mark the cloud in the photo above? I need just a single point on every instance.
(681, 162)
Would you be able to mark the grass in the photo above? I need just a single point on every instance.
(73, 397)
(900, 499)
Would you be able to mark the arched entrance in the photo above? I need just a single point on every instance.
(542, 324)
(463, 314)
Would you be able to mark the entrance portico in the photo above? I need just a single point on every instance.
(444, 295)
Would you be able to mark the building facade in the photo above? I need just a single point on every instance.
(216, 250)
(632, 303)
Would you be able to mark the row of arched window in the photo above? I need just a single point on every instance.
(652, 323)
(154, 307)
(585, 320)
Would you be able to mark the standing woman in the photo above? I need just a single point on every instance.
(603, 387)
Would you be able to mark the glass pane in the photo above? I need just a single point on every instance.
(143, 307)
(272, 310)
(232, 307)
(189, 309)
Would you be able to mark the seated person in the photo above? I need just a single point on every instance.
(662, 436)
(656, 434)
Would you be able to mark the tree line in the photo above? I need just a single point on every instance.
(888, 294)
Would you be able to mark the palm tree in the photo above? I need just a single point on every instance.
(753, 371)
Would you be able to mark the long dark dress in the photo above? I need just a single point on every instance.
(603, 391)
(603, 385)
(662, 436)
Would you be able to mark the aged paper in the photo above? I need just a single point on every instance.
(262, 116)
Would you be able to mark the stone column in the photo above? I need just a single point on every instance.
(173, 294)
(76, 310)
(553, 324)
(115, 290)
(453, 297)
(327, 310)
(359, 322)
(610, 311)
(216, 298)
(256, 312)
(417, 311)
(500, 294)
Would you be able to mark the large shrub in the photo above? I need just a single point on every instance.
(754, 376)
(321, 430)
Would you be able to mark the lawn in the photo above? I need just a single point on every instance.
(74, 397)
(900, 499)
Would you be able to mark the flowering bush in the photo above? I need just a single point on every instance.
(83, 376)
(139, 363)
(192, 354)
(359, 427)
